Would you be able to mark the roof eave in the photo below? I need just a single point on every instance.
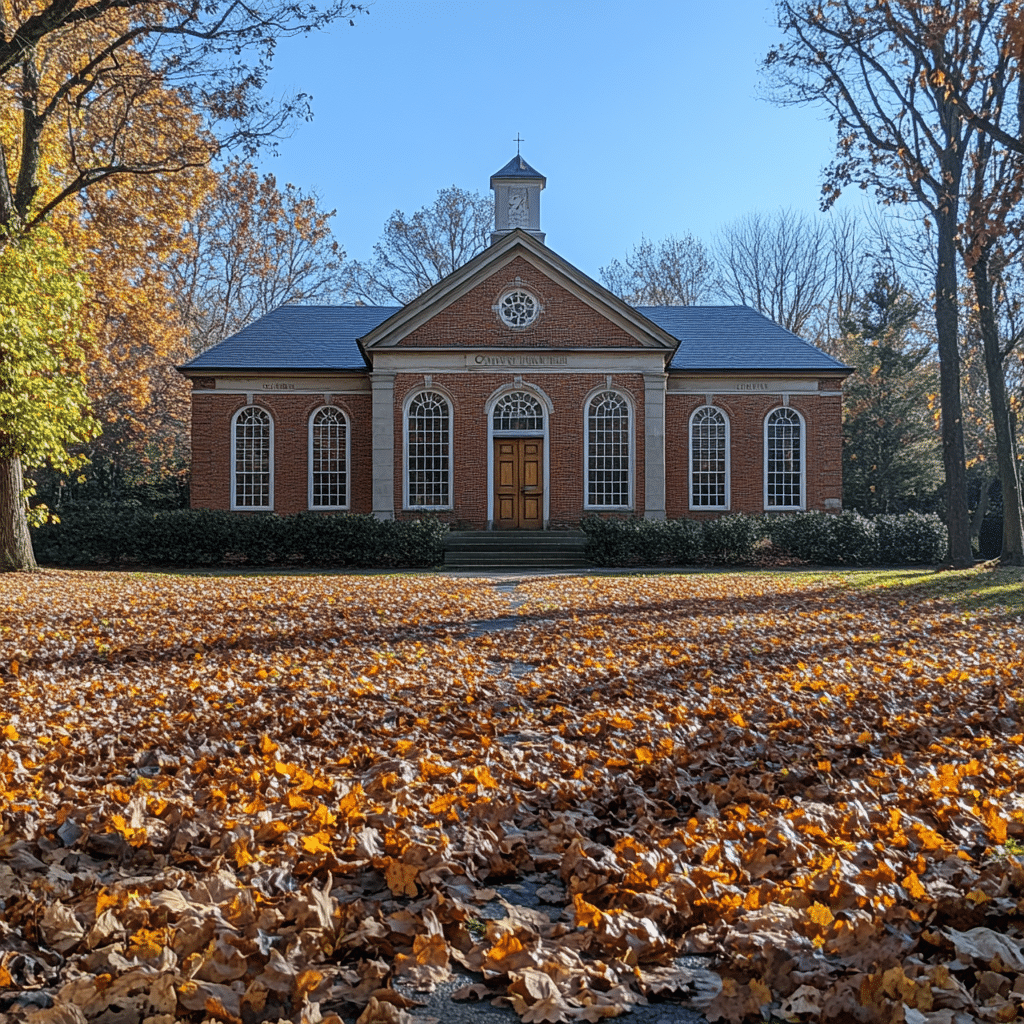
(249, 370)
(816, 371)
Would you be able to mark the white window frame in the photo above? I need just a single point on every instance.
(728, 460)
(235, 507)
(547, 408)
(803, 460)
(630, 447)
(519, 290)
(348, 460)
(406, 405)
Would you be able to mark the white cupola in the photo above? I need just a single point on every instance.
(517, 188)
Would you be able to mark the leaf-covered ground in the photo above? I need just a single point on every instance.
(254, 799)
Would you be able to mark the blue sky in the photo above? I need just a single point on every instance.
(647, 117)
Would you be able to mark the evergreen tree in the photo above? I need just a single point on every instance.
(891, 448)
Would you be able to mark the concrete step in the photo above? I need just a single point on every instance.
(516, 538)
(515, 549)
(524, 549)
(462, 558)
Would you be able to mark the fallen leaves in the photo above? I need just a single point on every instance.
(299, 798)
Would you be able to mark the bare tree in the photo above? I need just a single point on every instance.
(676, 271)
(983, 111)
(418, 251)
(900, 132)
(252, 247)
(987, 266)
(805, 273)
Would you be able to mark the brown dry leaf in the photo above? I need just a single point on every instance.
(60, 929)
(281, 791)
(988, 947)
(536, 998)
(401, 878)
(380, 1012)
(67, 1013)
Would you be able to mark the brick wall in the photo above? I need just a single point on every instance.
(211, 445)
(211, 448)
(565, 322)
(746, 413)
(469, 394)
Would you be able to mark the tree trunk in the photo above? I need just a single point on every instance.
(1013, 526)
(15, 540)
(957, 525)
(981, 510)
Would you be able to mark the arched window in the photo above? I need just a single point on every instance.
(252, 459)
(428, 451)
(518, 411)
(328, 458)
(709, 459)
(608, 444)
(783, 460)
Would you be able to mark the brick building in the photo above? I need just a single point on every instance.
(516, 394)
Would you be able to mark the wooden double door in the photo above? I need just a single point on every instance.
(519, 483)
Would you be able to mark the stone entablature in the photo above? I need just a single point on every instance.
(691, 385)
(351, 384)
(472, 360)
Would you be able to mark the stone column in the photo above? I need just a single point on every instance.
(382, 385)
(654, 445)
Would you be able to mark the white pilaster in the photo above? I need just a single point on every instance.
(654, 445)
(383, 387)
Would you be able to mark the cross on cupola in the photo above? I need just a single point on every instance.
(517, 187)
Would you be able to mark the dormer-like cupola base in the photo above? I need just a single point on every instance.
(517, 189)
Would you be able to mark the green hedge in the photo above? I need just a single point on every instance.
(119, 534)
(126, 534)
(844, 538)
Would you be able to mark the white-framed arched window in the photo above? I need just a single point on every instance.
(428, 451)
(784, 459)
(518, 412)
(709, 459)
(328, 458)
(608, 443)
(252, 459)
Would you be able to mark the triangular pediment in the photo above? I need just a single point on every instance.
(462, 310)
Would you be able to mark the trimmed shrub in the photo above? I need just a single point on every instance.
(619, 542)
(110, 534)
(854, 539)
(730, 540)
(912, 538)
(684, 541)
(844, 538)
(822, 538)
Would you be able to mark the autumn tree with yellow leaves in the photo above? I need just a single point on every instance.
(113, 97)
(246, 246)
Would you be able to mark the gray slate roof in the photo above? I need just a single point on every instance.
(297, 338)
(517, 167)
(734, 338)
(711, 338)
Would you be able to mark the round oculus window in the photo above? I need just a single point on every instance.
(518, 308)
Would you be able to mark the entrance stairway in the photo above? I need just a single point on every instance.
(515, 550)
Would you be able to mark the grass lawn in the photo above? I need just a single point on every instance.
(248, 798)
(982, 587)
